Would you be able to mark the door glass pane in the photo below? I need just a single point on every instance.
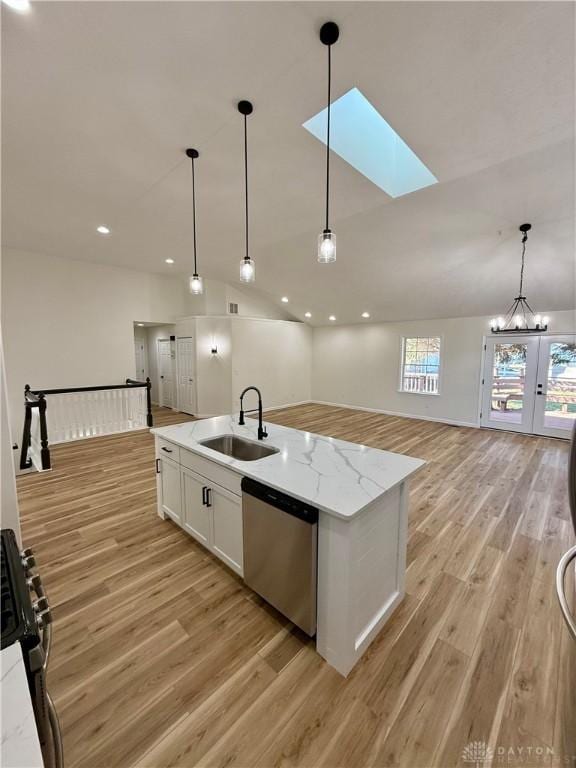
(560, 407)
(508, 375)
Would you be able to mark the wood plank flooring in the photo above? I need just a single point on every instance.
(163, 658)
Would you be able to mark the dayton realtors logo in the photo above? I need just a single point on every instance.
(478, 754)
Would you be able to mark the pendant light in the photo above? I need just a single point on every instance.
(329, 34)
(520, 316)
(196, 284)
(247, 265)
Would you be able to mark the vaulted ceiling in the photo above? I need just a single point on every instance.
(101, 99)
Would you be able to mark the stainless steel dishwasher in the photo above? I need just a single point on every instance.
(280, 551)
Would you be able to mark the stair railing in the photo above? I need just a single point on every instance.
(75, 413)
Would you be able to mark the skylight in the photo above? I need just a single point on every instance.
(361, 136)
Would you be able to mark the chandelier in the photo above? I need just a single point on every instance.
(520, 316)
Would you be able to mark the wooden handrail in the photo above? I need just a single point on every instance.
(67, 390)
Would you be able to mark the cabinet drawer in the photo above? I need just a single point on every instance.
(212, 471)
(167, 450)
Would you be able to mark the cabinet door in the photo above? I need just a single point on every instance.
(195, 513)
(227, 542)
(169, 488)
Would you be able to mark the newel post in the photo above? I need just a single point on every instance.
(44, 450)
(149, 419)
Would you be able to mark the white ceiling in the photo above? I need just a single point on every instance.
(100, 100)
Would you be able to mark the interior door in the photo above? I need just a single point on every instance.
(140, 355)
(165, 368)
(509, 383)
(555, 406)
(186, 360)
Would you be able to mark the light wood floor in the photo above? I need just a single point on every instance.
(163, 658)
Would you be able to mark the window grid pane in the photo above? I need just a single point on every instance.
(421, 364)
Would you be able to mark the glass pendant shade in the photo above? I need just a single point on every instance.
(326, 247)
(247, 270)
(196, 284)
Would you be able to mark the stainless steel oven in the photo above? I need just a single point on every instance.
(26, 619)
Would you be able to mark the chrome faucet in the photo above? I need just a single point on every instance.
(262, 433)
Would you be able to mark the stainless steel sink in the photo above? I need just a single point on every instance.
(238, 448)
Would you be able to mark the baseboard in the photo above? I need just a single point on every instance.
(288, 405)
(451, 422)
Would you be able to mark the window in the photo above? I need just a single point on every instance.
(420, 370)
(362, 137)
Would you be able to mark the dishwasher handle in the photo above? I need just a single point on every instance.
(282, 501)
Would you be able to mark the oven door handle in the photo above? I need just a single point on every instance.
(561, 571)
(46, 644)
(56, 733)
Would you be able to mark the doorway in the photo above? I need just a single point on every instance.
(166, 373)
(529, 384)
(186, 363)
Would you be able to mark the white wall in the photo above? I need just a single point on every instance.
(10, 516)
(252, 305)
(275, 356)
(217, 296)
(213, 372)
(359, 365)
(70, 323)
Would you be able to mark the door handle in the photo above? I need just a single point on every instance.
(168, 450)
(204, 489)
(157, 466)
(208, 497)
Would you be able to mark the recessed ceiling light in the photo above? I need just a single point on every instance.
(169, 261)
(103, 230)
(285, 299)
(140, 324)
(22, 6)
(308, 314)
(366, 314)
(332, 318)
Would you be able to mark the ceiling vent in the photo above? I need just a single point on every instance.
(232, 308)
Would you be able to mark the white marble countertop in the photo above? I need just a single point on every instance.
(20, 743)
(338, 477)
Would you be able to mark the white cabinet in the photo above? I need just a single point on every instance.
(169, 491)
(195, 512)
(227, 542)
(200, 503)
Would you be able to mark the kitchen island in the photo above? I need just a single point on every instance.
(360, 492)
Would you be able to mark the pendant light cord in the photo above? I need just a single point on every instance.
(194, 216)
(246, 257)
(328, 134)
(522, 267)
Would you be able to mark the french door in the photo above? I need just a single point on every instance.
(529, 384)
